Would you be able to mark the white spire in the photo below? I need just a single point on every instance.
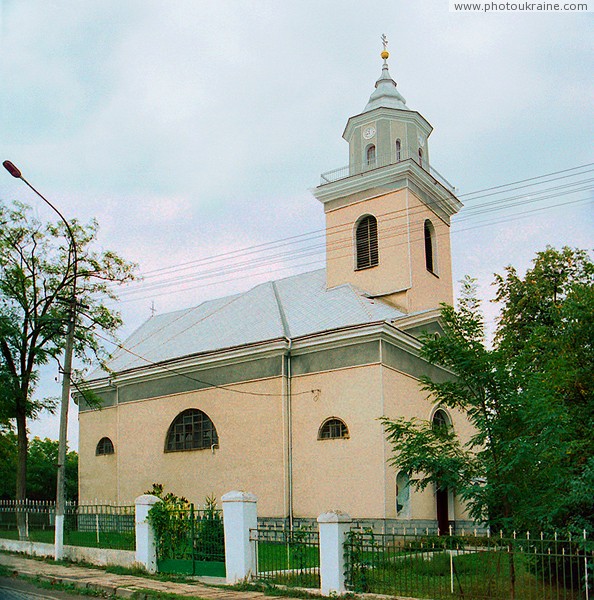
(385, 95)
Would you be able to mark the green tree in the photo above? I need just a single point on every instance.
(42, 470)
(36, 283)
(8, 463)
(530, 462)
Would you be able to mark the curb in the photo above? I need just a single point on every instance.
(107, 589)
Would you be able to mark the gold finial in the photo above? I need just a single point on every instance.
(385, 54)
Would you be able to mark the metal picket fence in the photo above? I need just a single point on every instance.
(100, 526)
(470, 567)
(287, 557)
(89, 525)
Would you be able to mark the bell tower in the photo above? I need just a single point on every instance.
(388, 213)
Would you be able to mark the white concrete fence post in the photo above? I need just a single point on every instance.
(334, 527)
(146, 546)
(240, 514)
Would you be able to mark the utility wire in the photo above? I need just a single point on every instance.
(294, 239)
(296, 254)
(228, 388)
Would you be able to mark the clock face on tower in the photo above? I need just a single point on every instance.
(368, 132)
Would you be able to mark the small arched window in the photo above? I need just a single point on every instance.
(105, 446)
(429, 232)
(191, 430)
(398, 151)
(366, 244)
(333, 429)
(370, 155)
(441, 420)
(402, 494)
(421, 157)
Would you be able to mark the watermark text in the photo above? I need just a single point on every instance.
(485, 7)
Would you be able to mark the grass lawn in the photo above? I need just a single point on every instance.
(289, 564)
(88, 539)
(476, 576)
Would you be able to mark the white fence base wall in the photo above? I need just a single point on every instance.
(96, 556)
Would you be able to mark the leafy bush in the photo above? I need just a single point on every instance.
(183, 532)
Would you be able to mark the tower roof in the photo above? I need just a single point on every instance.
(386, 95)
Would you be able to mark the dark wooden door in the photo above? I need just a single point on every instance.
(442, 512)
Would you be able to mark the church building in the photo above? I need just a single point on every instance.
(278, 390)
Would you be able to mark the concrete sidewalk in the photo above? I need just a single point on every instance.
(120, 585)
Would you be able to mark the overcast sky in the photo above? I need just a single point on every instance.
(194, 128)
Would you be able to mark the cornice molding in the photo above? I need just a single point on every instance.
(326, 340)
(395, 114)
(383, 180)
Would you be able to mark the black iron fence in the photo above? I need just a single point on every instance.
(287, 557)
(470, 567)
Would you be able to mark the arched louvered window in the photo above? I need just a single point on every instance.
(430, 257)
(191, 430)
(366, 243)
(333, 429)
(105, 446)
(421, 156)
(398, 150)
(370, 155)
(402, 495)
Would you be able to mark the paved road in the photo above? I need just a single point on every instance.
(14, 589)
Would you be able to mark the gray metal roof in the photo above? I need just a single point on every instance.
(291, 307)
(386, 95)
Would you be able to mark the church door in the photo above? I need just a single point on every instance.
(443, 522)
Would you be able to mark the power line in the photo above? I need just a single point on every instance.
(164, 367)
(296, 254)
(248, 250)
(322, 259)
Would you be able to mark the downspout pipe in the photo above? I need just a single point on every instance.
(289, 409)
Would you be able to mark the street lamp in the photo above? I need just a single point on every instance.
(67, 372)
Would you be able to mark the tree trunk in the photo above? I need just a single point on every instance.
(21, 476)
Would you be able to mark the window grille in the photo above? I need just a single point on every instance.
(191, 430)
(105, 446)
(366, 243)
(371, 156)
(333, 429)
(441, 420)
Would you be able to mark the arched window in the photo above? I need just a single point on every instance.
(366, 243)
(402, 495)
(191, 430)
(398, 151)
(370, 155)
(105, 446)
(333, 429)
(421, 156)
(429, 246)
(441, 420)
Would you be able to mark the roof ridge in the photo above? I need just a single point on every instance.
(281, 310)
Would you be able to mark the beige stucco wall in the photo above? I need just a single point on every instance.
(249, 457)
(404, 398)
(342, 474)
(401, 243)
(351, 474)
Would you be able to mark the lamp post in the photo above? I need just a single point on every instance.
(67, 371)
